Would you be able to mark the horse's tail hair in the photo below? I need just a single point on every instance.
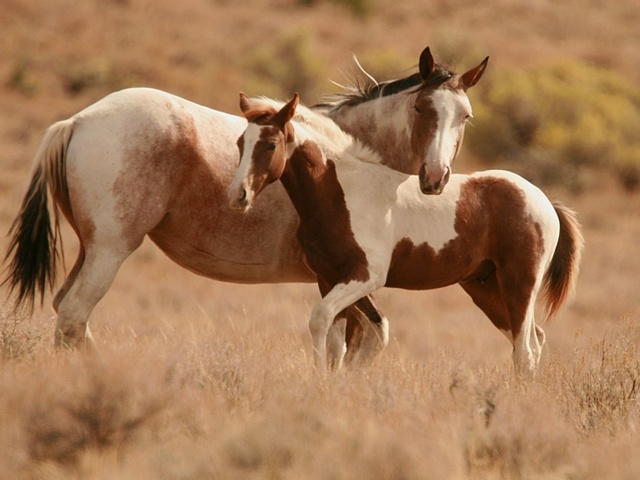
(560, 279)
(34, 248)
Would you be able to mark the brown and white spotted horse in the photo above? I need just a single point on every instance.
(364, 226)
(142, 162)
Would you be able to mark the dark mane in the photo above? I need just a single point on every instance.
(370, 90)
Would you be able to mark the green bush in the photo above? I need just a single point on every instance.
(559, 124)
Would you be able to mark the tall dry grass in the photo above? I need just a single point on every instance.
(223, 400)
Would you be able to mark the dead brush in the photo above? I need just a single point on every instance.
(600, 390)
(19, 338)
(96, 404)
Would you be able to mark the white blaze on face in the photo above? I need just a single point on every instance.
(453, 109)
(240, 187)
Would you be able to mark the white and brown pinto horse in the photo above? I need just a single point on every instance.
(142, 162)
(364, 226)
(433, 107)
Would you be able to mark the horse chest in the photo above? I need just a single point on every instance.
(333, 254)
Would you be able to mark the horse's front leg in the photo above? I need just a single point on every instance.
(324, 313)
(336, 342)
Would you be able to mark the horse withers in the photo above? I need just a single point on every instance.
(364, 226)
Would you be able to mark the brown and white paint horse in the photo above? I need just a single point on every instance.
(142, 162)
(364, 226)
(433, 107)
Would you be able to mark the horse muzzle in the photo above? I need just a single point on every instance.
(239, 199)
(431, 184)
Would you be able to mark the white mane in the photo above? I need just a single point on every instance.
(334, 141)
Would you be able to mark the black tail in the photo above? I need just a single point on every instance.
(33, 250)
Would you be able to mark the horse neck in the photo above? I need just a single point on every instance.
(312, 184)
(382, 124)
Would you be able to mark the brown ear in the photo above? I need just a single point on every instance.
(427, 63)
(245, 106)
(470, 78)
(286, 113)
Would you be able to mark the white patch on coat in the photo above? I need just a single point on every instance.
(241, 178)
(452, 109)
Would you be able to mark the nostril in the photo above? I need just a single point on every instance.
(243, 195)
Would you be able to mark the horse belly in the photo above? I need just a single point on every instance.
(421, 267)
(212, 240)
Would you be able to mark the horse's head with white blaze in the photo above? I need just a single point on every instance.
(416, 123)
(441, 111)
(263, 151)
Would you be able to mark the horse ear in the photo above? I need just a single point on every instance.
(287, 112)
(245, 106)
(470, 78)
(427, 63)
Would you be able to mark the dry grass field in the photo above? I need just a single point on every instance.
(196, 379)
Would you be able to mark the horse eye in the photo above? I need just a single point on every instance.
(417, 110)
(271, 146)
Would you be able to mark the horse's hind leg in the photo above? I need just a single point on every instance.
(487, 296)
(85, 286)
(372, 334)
(529, 337)
(512, 312)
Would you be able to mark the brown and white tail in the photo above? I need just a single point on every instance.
(33, 250)
(559, 281)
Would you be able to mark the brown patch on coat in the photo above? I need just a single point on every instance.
(325, 231)
(495, 256)
(163, 168)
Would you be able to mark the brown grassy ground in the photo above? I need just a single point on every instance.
(200, 379)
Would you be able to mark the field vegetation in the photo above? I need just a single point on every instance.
(196, 379)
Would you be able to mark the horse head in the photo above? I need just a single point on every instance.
(441, 110)
(263, 150)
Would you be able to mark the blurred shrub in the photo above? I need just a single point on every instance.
(96, 72)
(360, 8)
(20, 78)
(457, 49)
(386, 64)
(286, 66)
(559, 124)
(601, 387)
